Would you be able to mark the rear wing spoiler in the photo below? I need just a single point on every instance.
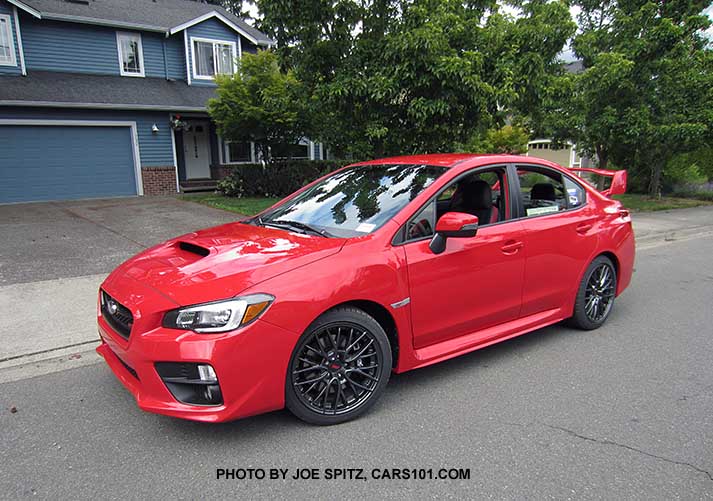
(617, 186)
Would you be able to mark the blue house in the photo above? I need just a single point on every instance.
(102, 98)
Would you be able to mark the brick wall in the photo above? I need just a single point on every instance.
(159, 180)
(220, 171)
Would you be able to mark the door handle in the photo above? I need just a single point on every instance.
(584, 228)
(511, 247)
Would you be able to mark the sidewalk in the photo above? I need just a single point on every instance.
(654, 227)
(59, 316)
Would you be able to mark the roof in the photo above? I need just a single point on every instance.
(150, 15)
(441, 159)
(454, 159)
(46, 88)
(574, 67)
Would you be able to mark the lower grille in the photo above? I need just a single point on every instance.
(116, 315)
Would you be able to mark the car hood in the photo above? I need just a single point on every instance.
(221, 262)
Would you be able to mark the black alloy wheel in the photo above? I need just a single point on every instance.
(595, 297)
(339, 367)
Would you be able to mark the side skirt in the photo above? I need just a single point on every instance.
(470, 342)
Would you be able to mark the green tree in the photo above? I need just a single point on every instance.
(646, 93)
(408, 76)
(507, 139)
(260, 103)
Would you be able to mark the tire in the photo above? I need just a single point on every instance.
(599, 281)
(339, 367)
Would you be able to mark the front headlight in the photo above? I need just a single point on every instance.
(221, 316)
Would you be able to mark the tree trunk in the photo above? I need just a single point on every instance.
(602, 157)
(655, 179)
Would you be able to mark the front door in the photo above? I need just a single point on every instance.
(196, 151)
(476, 282)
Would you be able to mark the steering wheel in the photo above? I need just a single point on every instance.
(420, 228)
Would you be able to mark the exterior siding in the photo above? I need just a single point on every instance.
(82, 48)
(215, 29)
(155, 149)
(6, 8)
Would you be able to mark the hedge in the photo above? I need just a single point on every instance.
(278, 179)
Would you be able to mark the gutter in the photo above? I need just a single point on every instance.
(104, 106)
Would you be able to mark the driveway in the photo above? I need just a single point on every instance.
(53, 256)
(45, 241)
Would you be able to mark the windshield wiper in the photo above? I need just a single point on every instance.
(290, 225)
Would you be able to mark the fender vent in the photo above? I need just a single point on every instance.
(193, 248)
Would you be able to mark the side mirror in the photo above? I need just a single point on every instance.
(453, 225)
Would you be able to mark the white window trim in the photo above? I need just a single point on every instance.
(131, 35)
(224, 150)
(13, 57)
(20, 49)
(234, 49)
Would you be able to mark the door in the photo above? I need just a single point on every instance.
(560, 235)
(196, 151)
(476, 282)
(53, 162)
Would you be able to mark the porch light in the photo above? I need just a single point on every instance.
(154, 128)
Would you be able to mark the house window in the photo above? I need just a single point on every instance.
(131, 54)
(7, 44)
(235, 152)
(213, 57)
(294, 151)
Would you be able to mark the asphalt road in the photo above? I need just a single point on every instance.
(623, 412)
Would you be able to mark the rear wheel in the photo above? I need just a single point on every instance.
(339, 367)
(595, 297)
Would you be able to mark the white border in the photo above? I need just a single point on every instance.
(213, 41)
(94, 123)
(13, 59)
(26, 8)
(188, 66)
(20, 49)
(134, 36)
(221, 17)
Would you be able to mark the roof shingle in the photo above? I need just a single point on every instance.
(100, 91)
(158, 14)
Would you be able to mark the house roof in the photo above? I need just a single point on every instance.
(151, 15)
(574, 67)
(46, 88)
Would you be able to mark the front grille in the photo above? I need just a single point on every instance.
(116, 315)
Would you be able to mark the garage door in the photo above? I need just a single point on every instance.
(50, 162)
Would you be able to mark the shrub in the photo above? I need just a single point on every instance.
(277, 179)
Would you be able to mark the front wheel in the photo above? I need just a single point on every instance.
(339, 367)
(595, 297)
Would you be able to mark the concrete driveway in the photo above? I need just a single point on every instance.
(53, 256)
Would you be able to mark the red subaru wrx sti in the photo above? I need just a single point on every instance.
(381, 266)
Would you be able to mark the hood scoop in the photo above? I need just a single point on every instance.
(193, 249)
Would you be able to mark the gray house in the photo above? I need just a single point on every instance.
(104, 98)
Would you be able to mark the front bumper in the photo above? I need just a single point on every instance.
(251, 365)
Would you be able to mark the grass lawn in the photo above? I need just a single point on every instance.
(244, 206)
(636, 202)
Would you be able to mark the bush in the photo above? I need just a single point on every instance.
(277, 179)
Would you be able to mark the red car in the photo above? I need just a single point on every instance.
(381, 266)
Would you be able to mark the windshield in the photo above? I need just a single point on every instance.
(355, 201)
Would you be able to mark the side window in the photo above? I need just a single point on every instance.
(422, 224)
(576, 196)
(542, 191)
(479, 194)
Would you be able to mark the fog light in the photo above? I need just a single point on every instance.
(207, 373)
(190, 383)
